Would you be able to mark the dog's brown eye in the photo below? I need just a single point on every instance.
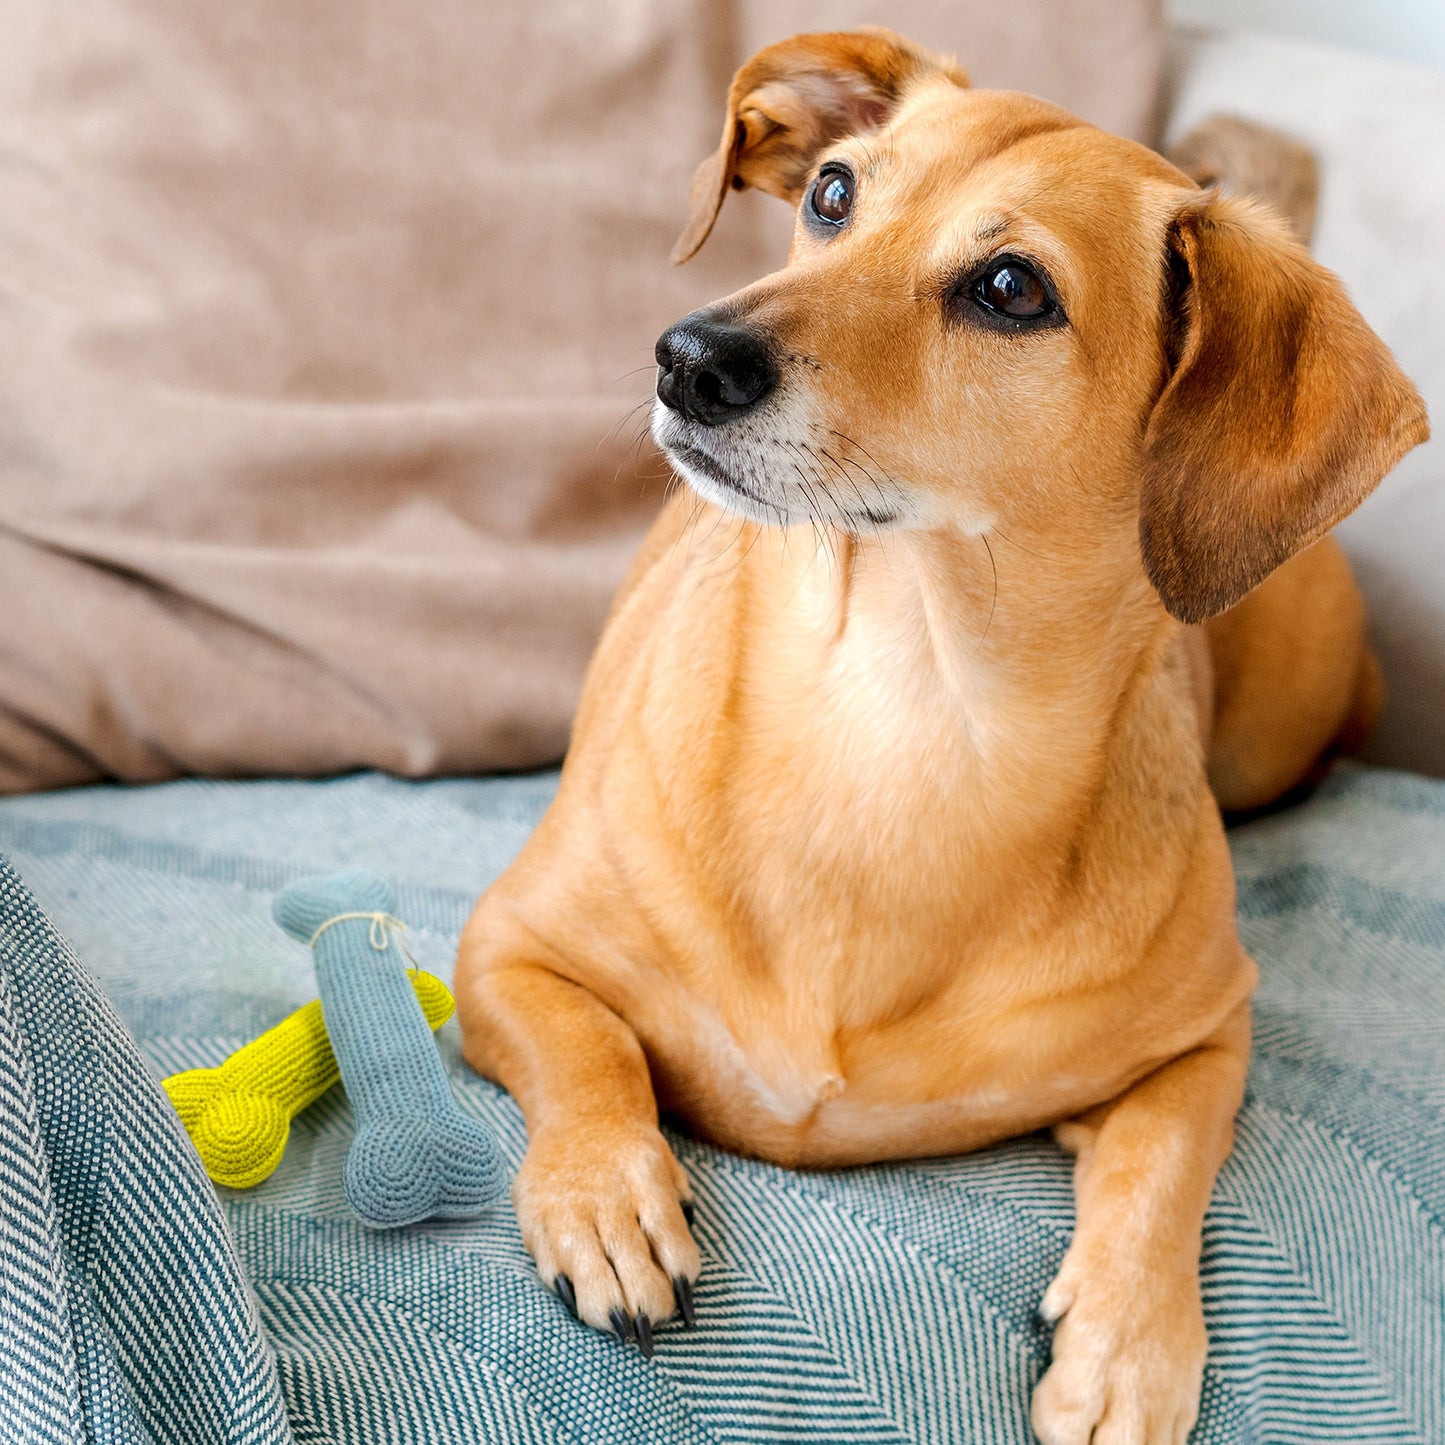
(1012, 289)
(833, 197)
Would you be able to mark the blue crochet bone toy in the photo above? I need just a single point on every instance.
(416, 1155)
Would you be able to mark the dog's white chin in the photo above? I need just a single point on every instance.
(729, 498)
(724, 469)
(709, 477)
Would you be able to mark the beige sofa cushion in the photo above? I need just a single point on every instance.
(319, 330)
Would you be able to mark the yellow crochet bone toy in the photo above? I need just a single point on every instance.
(239, 1114)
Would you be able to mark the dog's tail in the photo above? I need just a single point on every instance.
(1244, 158)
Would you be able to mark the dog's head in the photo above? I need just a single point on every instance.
(995, 316)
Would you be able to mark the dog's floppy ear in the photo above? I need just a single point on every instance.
(1282, 413)
(791, 100)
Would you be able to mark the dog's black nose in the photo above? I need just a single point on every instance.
(711, 371)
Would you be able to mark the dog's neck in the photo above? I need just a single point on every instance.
(920, 722)
(1002, 627)
(1001, 614)
(989, 662)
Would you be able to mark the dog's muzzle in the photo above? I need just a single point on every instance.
(712, 371)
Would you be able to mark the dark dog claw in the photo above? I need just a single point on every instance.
(566, 1294)
(643, 1326)
(682, 1289)
(689, 1212)
(621, 1325)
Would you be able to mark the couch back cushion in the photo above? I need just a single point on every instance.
(320, 333)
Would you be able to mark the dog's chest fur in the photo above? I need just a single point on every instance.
(915, 959)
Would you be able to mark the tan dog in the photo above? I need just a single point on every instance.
(887, 828)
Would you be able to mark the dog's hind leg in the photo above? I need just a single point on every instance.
(1294, 682)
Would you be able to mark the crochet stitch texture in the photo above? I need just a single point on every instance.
(416, 1154)
(239, 1113)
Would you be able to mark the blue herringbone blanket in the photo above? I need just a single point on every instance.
(888, 1304)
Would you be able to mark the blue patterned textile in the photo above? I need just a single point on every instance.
(888, 1304)
(124, 1315)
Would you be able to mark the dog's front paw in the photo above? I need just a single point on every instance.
(1128, 1359)
(605, 1212)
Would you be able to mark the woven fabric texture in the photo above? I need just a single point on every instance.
(888, 1304)
(124, 1315)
